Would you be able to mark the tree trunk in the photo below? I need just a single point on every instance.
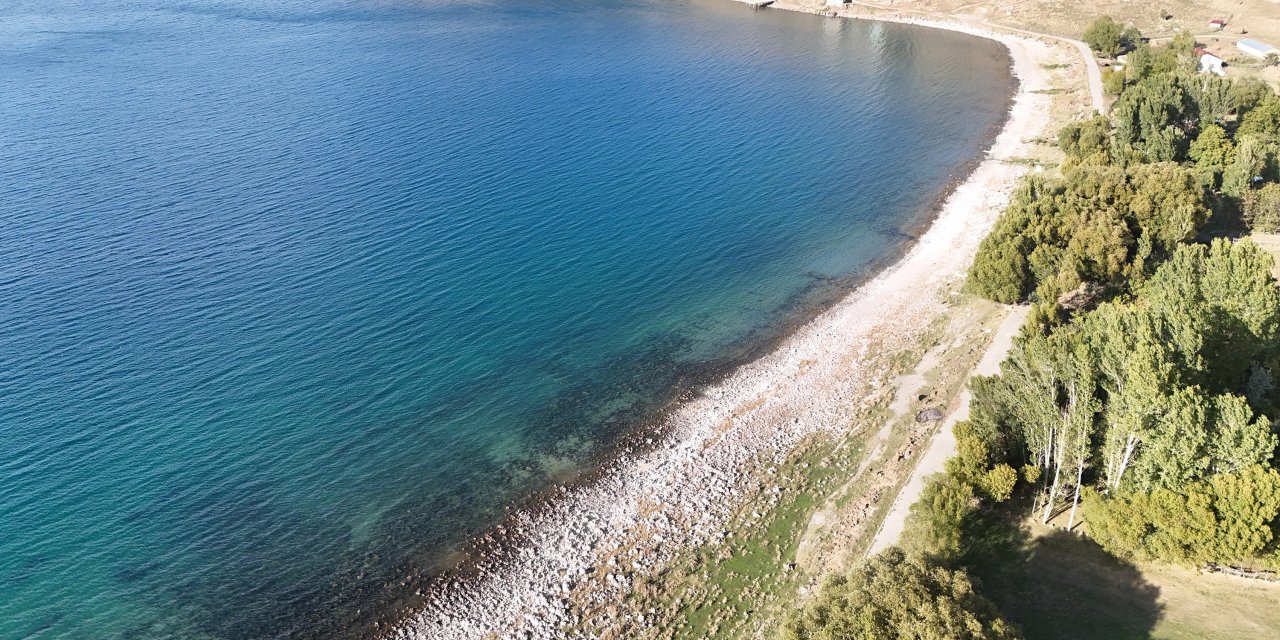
(1075, 502)
(1130, 443)
(1053, 492)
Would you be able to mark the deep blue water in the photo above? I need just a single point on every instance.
(297, 294)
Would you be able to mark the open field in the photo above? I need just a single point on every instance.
(1259, 19)
(1061, 586)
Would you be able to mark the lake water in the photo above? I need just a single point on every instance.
(296, 295)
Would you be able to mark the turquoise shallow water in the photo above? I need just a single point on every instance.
(296, 295)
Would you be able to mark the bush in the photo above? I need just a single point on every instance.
(998, 483)
(893, 595)
(1112, 81)
(937, 520)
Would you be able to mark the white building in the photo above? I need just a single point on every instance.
(1210, 63)
(1256, 49)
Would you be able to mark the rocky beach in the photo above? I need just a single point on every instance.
(589, 545)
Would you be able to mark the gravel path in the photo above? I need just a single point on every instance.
(943, 444)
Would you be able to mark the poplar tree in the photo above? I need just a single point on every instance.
(1213, 152)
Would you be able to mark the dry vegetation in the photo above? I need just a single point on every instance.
(1063, 586)
(1259, 19)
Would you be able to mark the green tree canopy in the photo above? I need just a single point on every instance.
(1263, 120)
(1105, 36)
(1087, 141)
(1262, 208)
(1152, 117)
(893, 595)
(1247, 93)
(1226, 519)
(1090, 226)
(1213, 152)
(1220, 307)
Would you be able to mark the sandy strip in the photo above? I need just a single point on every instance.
(593, 544)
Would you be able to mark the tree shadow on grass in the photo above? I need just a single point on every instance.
(1059, 585)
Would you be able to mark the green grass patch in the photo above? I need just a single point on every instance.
(723, 590)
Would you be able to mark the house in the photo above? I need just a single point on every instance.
(1210, 63)
(1217, 24)
(1256, 49)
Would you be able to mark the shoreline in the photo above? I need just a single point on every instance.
(592, 542)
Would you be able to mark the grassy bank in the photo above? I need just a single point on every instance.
(1062, 586)
(816, 513)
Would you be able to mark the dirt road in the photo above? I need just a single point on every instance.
(943, 444)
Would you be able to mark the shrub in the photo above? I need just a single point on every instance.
(893, 595)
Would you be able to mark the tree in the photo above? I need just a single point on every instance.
(1130, 37)
(1227, 519)
(1160, 525)
(1248, 93)
(1247, 504)
(1183, 44)
(1000, 271)
(1254, 156)
(1262, 208)
(1047, 386)
(893, 595)
(1137, 370)
(1212, 96)
(1237, 440)
(1212, 152)
(1113, 82)
(1099, 224)
(1152, 116)
(1168, 203)
(1145, 61)
(1174, 449)
(1262, 121)
(1219, 308)
(1088, 140)
(1104, 35)
(999, 481)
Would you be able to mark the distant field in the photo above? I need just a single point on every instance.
(1061, 586)
(1258, 19)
